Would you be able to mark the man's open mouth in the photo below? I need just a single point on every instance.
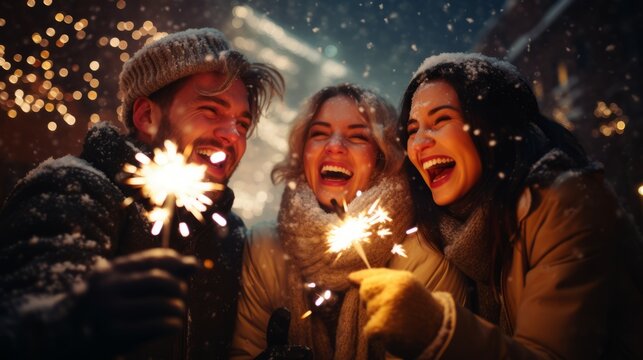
(438, 168)
(205, 154)
(335, 173)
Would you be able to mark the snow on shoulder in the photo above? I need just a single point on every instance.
(475, 63)
(65, 162)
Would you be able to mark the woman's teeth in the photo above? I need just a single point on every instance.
(437, 166)
(437, 161)
(333, 171)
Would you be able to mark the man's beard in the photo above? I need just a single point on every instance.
(165, 132)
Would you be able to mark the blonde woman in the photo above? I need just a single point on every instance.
(343, 142)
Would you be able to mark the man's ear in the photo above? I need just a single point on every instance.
(146, 116)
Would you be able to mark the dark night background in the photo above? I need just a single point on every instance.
(59, 65)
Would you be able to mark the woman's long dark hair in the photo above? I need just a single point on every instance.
(509, 133)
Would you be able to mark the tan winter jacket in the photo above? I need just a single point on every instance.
(572, 289)
(264, 280)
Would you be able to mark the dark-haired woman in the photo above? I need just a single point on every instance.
(555, 265)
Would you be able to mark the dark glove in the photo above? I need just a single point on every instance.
(277, 338)
(134, 299)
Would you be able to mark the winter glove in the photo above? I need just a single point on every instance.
(134, 299)
(403, 315)
(277, 338)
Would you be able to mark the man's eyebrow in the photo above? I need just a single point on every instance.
(436, 109)
(358, 126)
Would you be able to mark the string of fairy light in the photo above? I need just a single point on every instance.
(35, 80)
(42, 78)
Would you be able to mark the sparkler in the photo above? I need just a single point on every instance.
(355, 230)
(167, 181)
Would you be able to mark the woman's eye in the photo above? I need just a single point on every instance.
(359, 138)
(411, 130)
(316, 134)
(441, 119)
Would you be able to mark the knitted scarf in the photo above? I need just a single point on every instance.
(468, 245)
(302, 227)
(466, 234)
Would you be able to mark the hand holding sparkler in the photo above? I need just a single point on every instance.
(404, 315)
(168, 181)
(110, 306)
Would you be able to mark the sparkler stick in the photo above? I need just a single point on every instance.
(170, 181)
(169, 210)
(355, 230)
(338, 210)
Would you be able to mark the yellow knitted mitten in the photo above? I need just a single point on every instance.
(403, 315)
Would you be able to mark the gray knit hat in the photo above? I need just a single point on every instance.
(168, 59)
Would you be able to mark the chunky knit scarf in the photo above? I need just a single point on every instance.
(468, 245)
(466, 234)
(302, 226)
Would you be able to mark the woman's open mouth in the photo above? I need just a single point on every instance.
(439, 169)
(335, 174)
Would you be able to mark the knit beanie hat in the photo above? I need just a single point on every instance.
(168, 59)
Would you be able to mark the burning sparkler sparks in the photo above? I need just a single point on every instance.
(355, 230)
(218, 157)
(326, 296)
(167, 181)
(306, 314)
(398, 249)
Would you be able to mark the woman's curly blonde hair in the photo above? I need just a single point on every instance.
(379, 113)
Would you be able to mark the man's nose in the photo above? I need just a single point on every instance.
(227, 132)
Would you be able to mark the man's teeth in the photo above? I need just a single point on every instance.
(215, 157)
(206, 152)
(436, 161)
(333, 168)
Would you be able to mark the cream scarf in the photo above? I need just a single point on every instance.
(302, 227)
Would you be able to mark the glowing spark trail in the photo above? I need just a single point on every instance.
(167, 181)
(355, 230)
(412, 230)
(398, 249)
(217, 157)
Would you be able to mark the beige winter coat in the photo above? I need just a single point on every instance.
(572, 289)
(264, 283)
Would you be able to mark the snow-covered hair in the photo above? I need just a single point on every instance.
(379, 114)
(500, 108)
(506, 126)
(177, 56)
